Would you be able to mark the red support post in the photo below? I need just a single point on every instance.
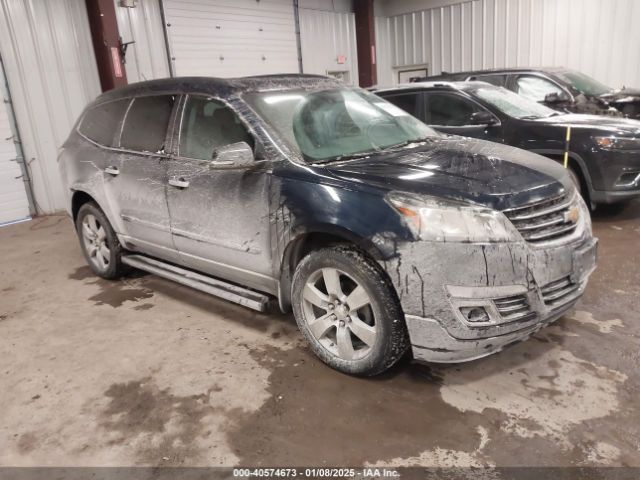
(366, 42)
(106, 43)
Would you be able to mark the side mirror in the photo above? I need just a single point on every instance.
(483, 118)
(234, 155)
(556, 97)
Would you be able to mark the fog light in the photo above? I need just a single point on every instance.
(475, 314)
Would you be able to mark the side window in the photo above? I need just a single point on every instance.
(145, 127)
(406, 101)
(207, 125)
(449, 110)
(101, 122)
(497, 80)
(535, 88)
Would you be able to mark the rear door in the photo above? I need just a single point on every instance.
(136, 176)
(451, 112)
(410, 101)
(219, 216)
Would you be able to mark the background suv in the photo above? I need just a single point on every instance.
(379, 232)
(604, 152)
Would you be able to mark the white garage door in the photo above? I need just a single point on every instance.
(13, 196)
(231, 38)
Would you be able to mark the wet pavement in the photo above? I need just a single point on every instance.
(145, 372)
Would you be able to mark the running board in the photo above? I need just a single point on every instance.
(233, 293)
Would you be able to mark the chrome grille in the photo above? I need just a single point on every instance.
(545, 220)
(557, 293)
(514, 309)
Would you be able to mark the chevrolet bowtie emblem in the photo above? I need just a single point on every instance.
(572, 215)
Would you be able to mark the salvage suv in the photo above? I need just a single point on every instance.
(380, 233)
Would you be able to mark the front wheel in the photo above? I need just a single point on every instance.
(348, 311)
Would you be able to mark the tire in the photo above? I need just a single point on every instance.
(99, 242)
(364, 338)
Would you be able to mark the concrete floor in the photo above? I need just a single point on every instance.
(145, 372)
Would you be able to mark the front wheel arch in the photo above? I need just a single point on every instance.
(576, 163)
(308, 241)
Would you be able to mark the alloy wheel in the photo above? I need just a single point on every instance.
(338, 313)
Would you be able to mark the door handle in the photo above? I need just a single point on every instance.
(178, 182)
(112, 171)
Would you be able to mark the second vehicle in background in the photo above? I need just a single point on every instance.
(559, 88)
(604, 152)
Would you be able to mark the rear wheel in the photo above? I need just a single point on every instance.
(348, 311)
(99, 242)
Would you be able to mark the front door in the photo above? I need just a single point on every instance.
(135, 177)
(219, 216)
(452, 113)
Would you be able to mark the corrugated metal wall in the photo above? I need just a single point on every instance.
(383, 51)
(324, 37)
(146, 59)
(598, 37)
(229, 38)
(14, 203)
(50, 66)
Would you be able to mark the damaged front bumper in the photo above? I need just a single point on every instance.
(466, 301)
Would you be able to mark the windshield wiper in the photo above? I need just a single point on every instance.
(355, 156)
(408, 142)
(349, 156)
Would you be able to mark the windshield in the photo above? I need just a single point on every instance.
(585, 84)
(513, 104)
(336, 123)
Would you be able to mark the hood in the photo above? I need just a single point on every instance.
(464, 169)
(621, 126)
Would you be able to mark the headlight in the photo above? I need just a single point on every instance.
(434, 219)
(617, 143)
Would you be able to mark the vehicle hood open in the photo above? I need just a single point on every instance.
(461, 169)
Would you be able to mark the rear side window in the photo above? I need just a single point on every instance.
(101, 123)
(145, 127)
(407, 102)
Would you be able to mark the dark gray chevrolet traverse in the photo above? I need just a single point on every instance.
(380, 233)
